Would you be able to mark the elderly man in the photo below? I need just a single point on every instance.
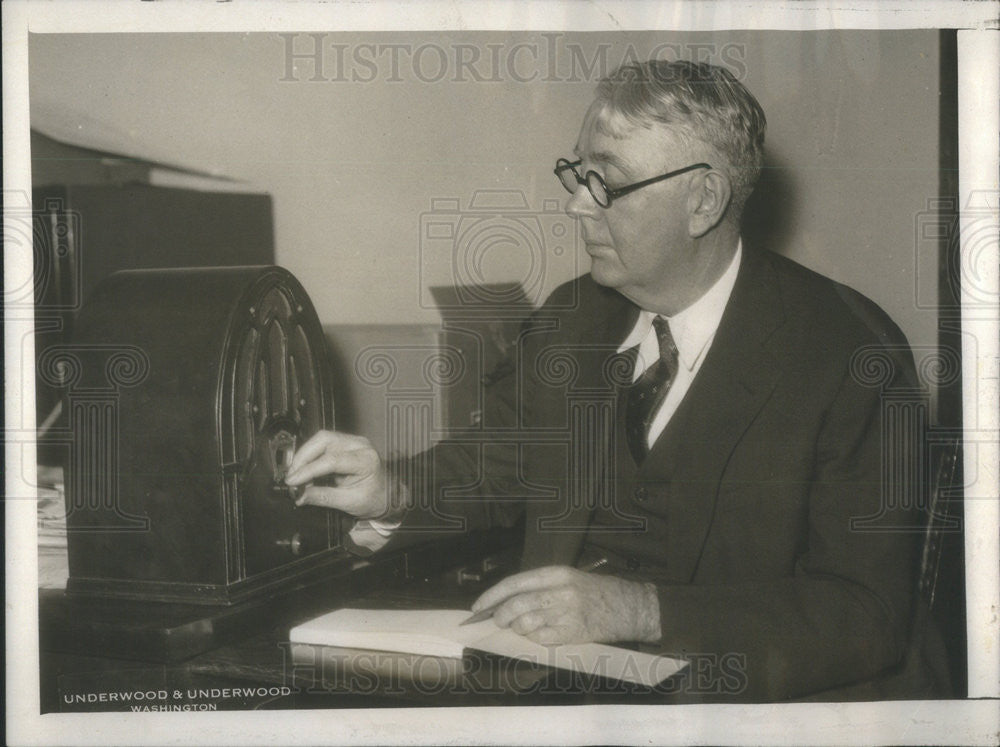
(713, 458)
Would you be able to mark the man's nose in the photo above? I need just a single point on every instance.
(581, 203)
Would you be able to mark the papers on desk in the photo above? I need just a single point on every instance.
(439, 633)
(53, 563)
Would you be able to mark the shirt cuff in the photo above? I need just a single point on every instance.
(372, 534)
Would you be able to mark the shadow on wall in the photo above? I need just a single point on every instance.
(768, 216)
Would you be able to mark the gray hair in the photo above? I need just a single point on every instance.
(704, 102)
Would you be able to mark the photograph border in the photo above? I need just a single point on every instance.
(971, 721)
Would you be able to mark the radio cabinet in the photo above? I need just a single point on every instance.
(188, 391)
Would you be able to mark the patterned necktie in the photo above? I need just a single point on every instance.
(647, 394)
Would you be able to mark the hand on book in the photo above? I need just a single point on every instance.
(356, 479)
(559, 604)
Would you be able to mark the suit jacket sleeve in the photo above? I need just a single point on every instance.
(465, 484)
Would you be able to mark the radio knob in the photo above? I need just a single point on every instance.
(294, 544)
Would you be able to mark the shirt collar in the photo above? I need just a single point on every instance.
(694, 327)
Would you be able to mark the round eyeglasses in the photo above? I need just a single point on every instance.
(570, 178)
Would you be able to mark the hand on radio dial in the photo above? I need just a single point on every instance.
(355, 478)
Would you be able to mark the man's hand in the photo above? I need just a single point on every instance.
(356, 480)
(559, 604)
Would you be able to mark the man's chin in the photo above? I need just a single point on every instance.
(603, 274)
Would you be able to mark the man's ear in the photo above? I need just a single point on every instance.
(707, 203)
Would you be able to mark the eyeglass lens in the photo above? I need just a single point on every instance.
(568, 176)
(570, 179)
(597, 188)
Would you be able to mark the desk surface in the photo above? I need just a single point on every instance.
(258, 671)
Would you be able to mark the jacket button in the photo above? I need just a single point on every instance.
(641, 494)
(632, 564)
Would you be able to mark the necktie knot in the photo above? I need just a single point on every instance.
(668, 348)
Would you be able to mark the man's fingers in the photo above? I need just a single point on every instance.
(521, 605)
(311, 449)
(342, 499)
(548, 636)
(520, 583)
(322, 442)
(331, 462)
(527, 623)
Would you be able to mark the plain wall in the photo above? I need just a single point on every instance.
(354, 166)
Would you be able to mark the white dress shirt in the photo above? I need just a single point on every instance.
(693, 330)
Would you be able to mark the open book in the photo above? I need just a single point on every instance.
(439, 633)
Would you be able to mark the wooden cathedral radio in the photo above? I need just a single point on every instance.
(189, 391)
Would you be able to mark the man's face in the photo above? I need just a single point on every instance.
(640, 245)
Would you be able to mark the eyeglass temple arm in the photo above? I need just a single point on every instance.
(560, 167)
(613, 193)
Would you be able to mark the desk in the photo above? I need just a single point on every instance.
(255, 670)
(90, 646)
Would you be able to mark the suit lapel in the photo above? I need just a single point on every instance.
(736, 379)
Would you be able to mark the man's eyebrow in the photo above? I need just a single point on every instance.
(604, 157)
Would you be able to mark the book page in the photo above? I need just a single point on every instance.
(427, 632)
(440, 633)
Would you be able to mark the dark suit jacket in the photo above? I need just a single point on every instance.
(776, 513)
